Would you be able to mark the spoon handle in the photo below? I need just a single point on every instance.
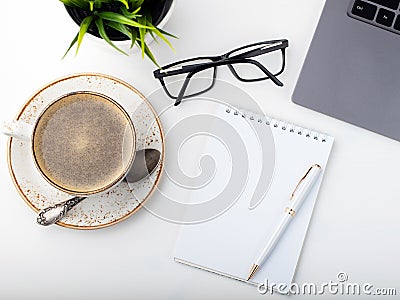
(53, 214)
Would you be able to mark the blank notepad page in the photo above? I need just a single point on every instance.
(275, 155)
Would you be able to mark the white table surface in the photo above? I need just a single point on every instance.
(355, 227)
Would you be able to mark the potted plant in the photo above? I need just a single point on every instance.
(120, 20)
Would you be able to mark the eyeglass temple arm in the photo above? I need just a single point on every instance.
(183, 90)
(267, 72)
(260, 51)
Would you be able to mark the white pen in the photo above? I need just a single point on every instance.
(299, 194)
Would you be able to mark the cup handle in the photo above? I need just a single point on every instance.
(17, 129)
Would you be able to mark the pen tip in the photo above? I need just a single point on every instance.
(253, 270)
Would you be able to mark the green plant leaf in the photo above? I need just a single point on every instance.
(161, 36)
(121, 28)
(124, 2)
(134, 37)
(167, 33)
(71, 45)
(99, 3)
(103, 34)
(91, 5)
(76, 3)
(115, 17)
(129, 32)
(83, 29)
(150, 55)
(153, 36)
(130, 15)
(142, 33)
(136, 3)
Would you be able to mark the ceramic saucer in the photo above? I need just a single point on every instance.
(99, 210)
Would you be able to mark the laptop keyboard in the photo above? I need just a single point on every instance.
(382, 13)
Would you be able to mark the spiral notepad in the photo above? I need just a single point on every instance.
(277, 154)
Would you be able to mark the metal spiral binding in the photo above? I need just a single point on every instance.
(279, 124)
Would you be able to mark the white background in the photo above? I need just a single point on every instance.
(356, 224)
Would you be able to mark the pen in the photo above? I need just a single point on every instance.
(299, 194)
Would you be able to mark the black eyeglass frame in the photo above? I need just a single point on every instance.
(221, 60)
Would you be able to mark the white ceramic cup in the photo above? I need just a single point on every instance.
(26, 132)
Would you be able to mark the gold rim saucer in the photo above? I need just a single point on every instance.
(111, 85)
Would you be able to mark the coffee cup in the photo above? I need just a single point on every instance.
(82, 143)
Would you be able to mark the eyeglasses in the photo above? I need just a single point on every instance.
(192, 77)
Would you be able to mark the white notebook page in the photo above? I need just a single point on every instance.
(230, 243)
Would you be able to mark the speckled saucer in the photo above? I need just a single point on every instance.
(99, 210)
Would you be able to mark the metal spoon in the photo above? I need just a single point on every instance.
(145, 162)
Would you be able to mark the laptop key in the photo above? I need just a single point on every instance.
(397, 23)
(364, 10)
(393, 4)
(385, 17)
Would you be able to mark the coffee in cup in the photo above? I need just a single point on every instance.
(82, 143)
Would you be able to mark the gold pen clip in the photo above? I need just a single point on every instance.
(304, 177)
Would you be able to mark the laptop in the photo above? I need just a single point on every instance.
(352, 69)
